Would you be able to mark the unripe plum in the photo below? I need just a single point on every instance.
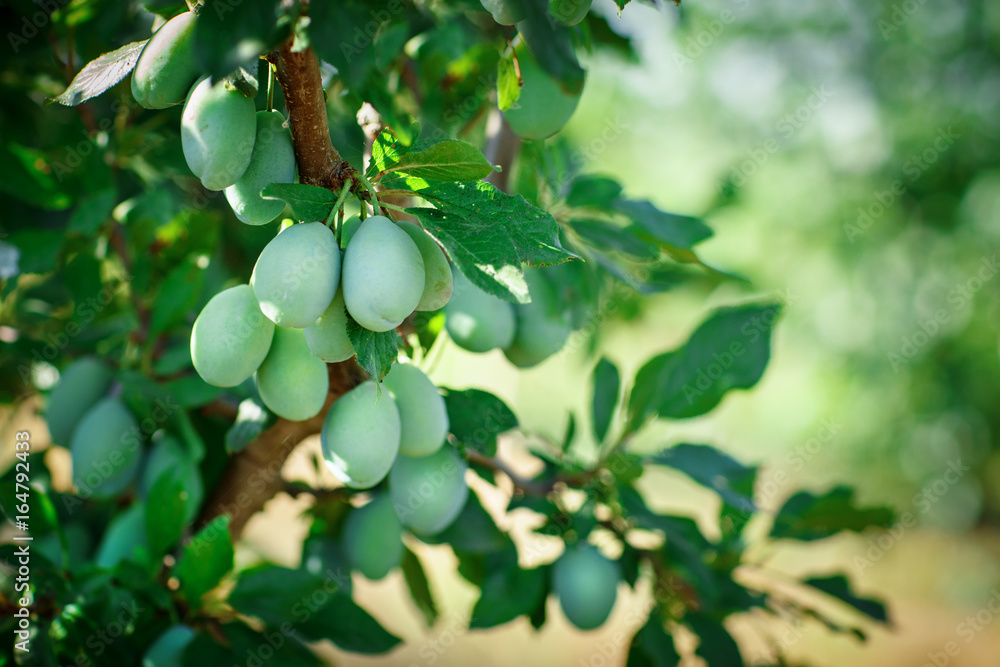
(428, 492)
(82, 384)
(438, 282)
(218, 128)
(543, 106)
(423, 417)
(272, 161)
(373, 538)
(105, 450)
(297, 275)
(292, 382)
(230, 338)
(505, 12)
(477, 321)
(327, 337)
(587, 584)
(360, 436)
(166, 68)
(569, 12)
(383, 275)
(542, 325)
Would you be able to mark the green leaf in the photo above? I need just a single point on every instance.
(250, 421)
(839, 587)
(244, 646)
(190, 391)
(729, 350)
(717, 646)
(713, 469)
(92, 211)
(206, 559)
(178, 295)
(609, 236)
(507, 592)
(593, 191)
(310, 203)
(679, 231)
(606, 383)
(570, 433)
(808, 517)
(376, 350)
(39, 249)
(164, 510)
(477, 417)
(420, 590)
(229, 34)
(448, 160)
(348, 626)
(508, 85)
(386, 151)
(489, 233)
(272, 593)
(100, 74)
(30, 176)
(552, 45)
(472, 532)
(652, 646)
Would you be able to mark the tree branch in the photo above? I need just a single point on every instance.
(528, 486)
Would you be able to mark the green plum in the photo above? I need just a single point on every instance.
(218, 129)
(360, 436)
(272, 161)
(505, 12)
(327, 337)
(297, 274)
(105, 450)
(383, 275)
(169, 454)
(81, 385)
(125, 532)
(230, 338)
(422, 414)
(438, 283)
(586, 583)
(428, 492)
(292, 382)
(373, 538)
(167, 67)
(569, 12)
(543, 326)
(543, 107)
(477, 321)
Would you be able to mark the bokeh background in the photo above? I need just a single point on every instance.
(847, 154)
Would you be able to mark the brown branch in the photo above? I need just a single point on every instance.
(502, 147)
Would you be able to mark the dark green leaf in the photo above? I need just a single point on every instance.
(178, 295)
(570, 433)
(165, 512)
(593, 191)
(713, 469)
(277, 594)
(717, 646)
(310, 203)
(508, 85)
(229, 34)
(206, 559)
(376, 350)
(250, 421)
(679, 231)
(808, 517)
(190, 391)
(838, 587)
(474, 531)
(244, 646)
(39, 249)
(552, 45)
(477, 417)
(729, 350)
(92, 211)
(448, 160)
(608, 236)
(348, 626)
(100, 74)
(420, 590)
(606, 383)
(652, 646)
(30, 176)
(507, 592)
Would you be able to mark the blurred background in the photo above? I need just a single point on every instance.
(847, 155)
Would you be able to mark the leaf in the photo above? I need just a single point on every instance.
(448, 160)
(808, 517)
(190, 391)
(839, 587)
(652, 646)
(606, 236)
(420, 590)
(250, 421)
(386, 151)
(178, 295)
(679, 231)
(552, 45)
(92, 211)
(348, 626)
(273, 593)
(38, 249)
(165, 512)
(477, 417)
(100, 74)
(593, 191)
(206, 559)
(472, 532)
(489, 233)
(244, 646)
(376, 350)
(713, 469)
(570, 433)
(507, 592)
(508, 85)
(229, 34)
(729, 350)
(309, 203)
(717, 646)
(606, 383)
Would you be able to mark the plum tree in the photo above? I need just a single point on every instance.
(106, 449)
(271, 161)
(218, 128)
(166, 68)
(438, 283)
(82, 384)
(477, 321)
(327, 336)
(428, 492)
(373, 538)
(586, 583)
(422, 414)
(383, 275)
(292, 381)
(543, 107)
(230, 338)
(297, 275)
(542, 325)
(169, 455)
(360, 436)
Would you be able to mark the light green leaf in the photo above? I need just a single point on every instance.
(100, 74)
(606, 383)
(508, 85)
(206, 559)
(310, 203)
